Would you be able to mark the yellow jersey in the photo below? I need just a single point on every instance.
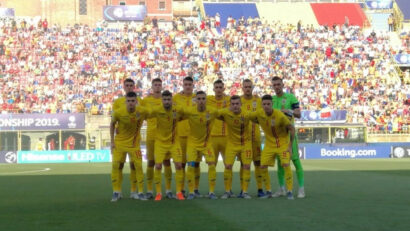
(274, 127)
(238, 126)
(129, 126)
(201, 124)
(251, 105)
(151, 102)
(166, 131)
(219, 127)
(185, 102)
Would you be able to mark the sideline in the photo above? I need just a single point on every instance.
(32, 171)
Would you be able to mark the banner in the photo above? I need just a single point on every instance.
(42, 121)
(125, 13)
(353, 151)
(379, 4)
(6, 12)
(9, 157)
(400, 152)
(325, 116)
(74, 156)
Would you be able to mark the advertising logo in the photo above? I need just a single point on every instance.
(401, 152)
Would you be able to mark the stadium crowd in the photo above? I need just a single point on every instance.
(54, 69)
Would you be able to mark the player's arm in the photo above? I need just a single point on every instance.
(220, 114)
(295, 107)
(253, 116)
(290, 128)
(113, 122)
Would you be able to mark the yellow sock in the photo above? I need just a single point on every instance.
(179, 178)
(197, 176)
(168, 177)
(241, 176)
(157, 180)
(183, 179)
(212, 178)
(258, 177)
(150, 176)
(116, 174)
(139, 176)
(246, 179)
(228, 179)
(133, 179)
(288, 178)
(191, 179)
(266, 179)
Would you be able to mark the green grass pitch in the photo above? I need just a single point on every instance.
(341, 195)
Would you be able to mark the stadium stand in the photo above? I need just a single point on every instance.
(339, 13)
(80, 69)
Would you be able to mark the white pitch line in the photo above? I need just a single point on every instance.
(32, 171)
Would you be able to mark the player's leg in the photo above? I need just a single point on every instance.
(267, 159)
(159, 158)
(230, 154)
(150, 167)
(137, 161)
(183, 143)
(191, 158)
(246, 157)
(299, 169)
(256, 155)
(210, 157)
(133, 179)
(281, 180)
(118, 158)
(284, 157)
(177, 154)
(168, 176)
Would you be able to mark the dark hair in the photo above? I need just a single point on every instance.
(129, 81)
(156, 80)
(188, 78)
(219, 82)
(247, 81)
(200, 93)
(276, 78)
(234, 97)
(267, 97)
(166, 93)
(131, 94)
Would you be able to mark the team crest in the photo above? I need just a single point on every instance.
(254, 104)
(283, 101)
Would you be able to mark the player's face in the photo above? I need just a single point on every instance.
(167, 102)
(131, 102)
(128, 87)
(267, 106)
(277, 86)
(247, 88)
(201, 100)
(157, 87)
(236, 106)
(188, 87)
(219, 89)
